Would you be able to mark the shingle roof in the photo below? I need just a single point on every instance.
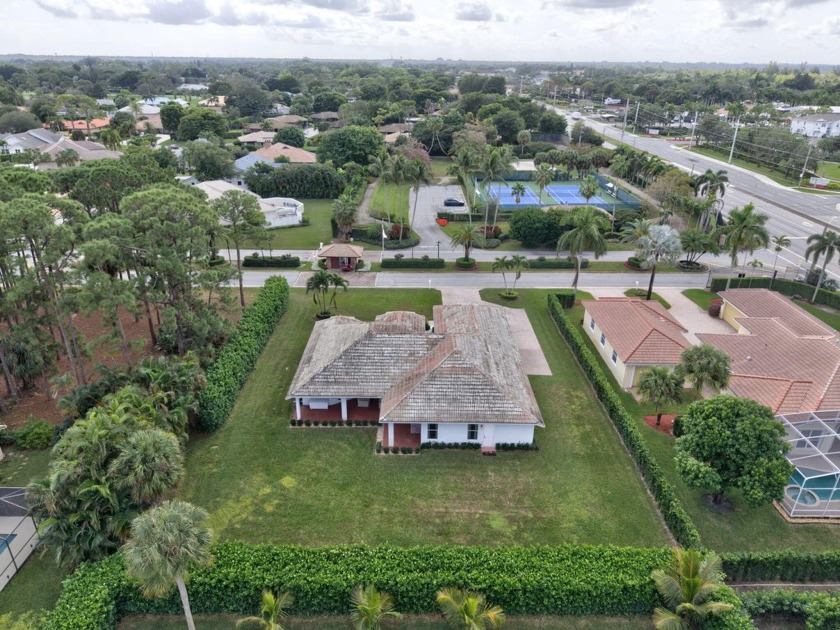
(641, 331)
(325, 116)
(764, 303)
(86, 150)
(247, 161)
(295, 155)
(341, 250)
(257, 136)
(469, 367)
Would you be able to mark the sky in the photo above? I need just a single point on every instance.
(729, 31)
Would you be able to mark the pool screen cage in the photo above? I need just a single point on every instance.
(814, 488)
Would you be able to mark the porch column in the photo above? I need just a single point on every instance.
(344, 409)
(390, 433)
(297, 407)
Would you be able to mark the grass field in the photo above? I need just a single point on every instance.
(408, 622)
(744, 529)
(642, 293)
(440, 166)
(776, 176)
(390, 199)
(700, 297)
(829, 169)
(262, 481)
(318, 211)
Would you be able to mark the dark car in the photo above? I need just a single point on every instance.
(453, 202)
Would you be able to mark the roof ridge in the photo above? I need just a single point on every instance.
(828, 383)
(648, 304)
(444, 349)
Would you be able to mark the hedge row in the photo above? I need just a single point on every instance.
(562, 580)
(413, 263)
(820, 610)
(678, 521)
(567, 262)
(231, 368)
(284, 261)
(785, 287)
(785, 565)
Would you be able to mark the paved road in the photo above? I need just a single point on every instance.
(429, 202)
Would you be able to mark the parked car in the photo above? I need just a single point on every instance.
(452, 201)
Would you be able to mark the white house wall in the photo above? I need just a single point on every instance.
(489, 434)
(622, 373)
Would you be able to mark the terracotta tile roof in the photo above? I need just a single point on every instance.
(469, 367)
(764, 303)
(82, 125)
(295, 155)
(325, 116)
(642, 332)
(341, 250)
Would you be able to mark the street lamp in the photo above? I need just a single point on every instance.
(438, 249)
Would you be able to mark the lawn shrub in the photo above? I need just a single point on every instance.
(820, 610)
(676, 518)
(736, 619)
(34, 435)
(464, 446)
(543, 580)
(785, 565)
(285, 261)
(237, 358)
(413, 263)
(566, 298)
(475, 217)
(465, 263)
(634, 262)
(785, 287)
(567, 262)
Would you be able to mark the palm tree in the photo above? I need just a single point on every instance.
(419, 173)
(704, 366)
(336, 281)
(586, 235)
(543, 176)
(319, 284)
(344, 213)
(66, 157)
(150, 462)
(658, 386)
(495, 163)
(588, 187)
(272, 611)
(397, 174)
(523, 138)
(502, 263)
(370, 608)
(518, 263)
(661, 243)
(467, 161)
(687, 586)
(827, 243)
(779, 243)
(467, 237)
(711, 184)
(517, 190)
(744, 231)
(632, 232)
(470, 611)
(111, 138)
(166, 542)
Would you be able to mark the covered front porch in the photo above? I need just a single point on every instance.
(339, 410)
(401, 435)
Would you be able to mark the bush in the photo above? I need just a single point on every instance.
(237, 358)
(634, 262)
(567, 262)
(7, 437)
(539, 580)
(285, 261)
(412, 263)
(465, 263)
(673, 513)
(782, 566)
(714, 308)
(300, 181)
(35, 434)
(463, 446)
(821, 610)
(216, 261)
(491, 243)
(566, 298)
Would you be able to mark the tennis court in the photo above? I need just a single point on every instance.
(504, 195)
(570, 196)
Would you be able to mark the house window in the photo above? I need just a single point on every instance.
(614, 356)
(472, 431)
(591, 324)
(603, 339)
(433, 433)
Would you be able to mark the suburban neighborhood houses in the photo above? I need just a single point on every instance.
(290, 339)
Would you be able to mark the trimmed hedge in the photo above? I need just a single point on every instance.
(475, 217)
(785, 287)
(786, 565)
(820, 610)
(234, 363)
(676, 518)
(284, 261)
(413, 263)
(567, 262)
(562, 580)
(465, 263)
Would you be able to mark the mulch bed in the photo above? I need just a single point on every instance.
(667, 423)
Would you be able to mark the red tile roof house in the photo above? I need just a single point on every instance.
(781, 356)
(633, 335)
(341, 256)
(462, 381)
(293, 154)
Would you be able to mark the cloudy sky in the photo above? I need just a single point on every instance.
(753, 31)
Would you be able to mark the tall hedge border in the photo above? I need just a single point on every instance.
(236, 360)
(821, 611)
(784, 565)
(676, 518)
(785, 287)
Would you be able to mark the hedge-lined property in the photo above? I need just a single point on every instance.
(785, 287)
(236, 360)
(821, 611)
(413, 263)
(784, 566)
(676, 518)
(567, 262)
(286, 261)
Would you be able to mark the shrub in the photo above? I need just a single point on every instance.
(216, 261)
(714, 308)
(634, 262)
(237, 358)
(566, 298)
(285, 261)
(786, 565)
(35, 434)
(491, 243)
(7, 437)
(465, 263)
(412, 263)
(567, 262)
(674, 514)
(821, 610)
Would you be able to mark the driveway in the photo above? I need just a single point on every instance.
(429, 203)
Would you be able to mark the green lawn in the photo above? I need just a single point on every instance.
(595, 266)
(700, 297)
(829, 169)
(744, 529)
(262, 481)
(389, 198)
(643, 293)
(440, 166)
(776, 176)
(408, 622)
(318, 211)
(823, 313)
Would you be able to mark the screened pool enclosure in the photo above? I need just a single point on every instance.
(814, 487)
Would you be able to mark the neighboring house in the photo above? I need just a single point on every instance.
(633, 335)
(18, 533)
(82, 125)
(153, 120)
(391, 138)
(257, 137)
(143, 109)
(293, 154)
(341, 255)
(461, 382)
(781, 356)
(157, 101)
(84, 149)
(817, 125)
(325, 116)
(242, 165)
(278, 211)
(288, 119)
(26, 140)
(396, 128)
(193, 87)
(216, 103)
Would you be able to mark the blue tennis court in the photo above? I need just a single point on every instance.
(570, 196)
(507, 199)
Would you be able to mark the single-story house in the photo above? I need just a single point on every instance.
(391, 138)
(82, 125)
(341, 255)
(18, 533)
(84, 149)
(459, 381)
(152, 119)
(143, 109)
(396, 128)
(781, 356)
(257, 137)
(32, 139)
(241, 166)
(633, 335)
(278, 211)
(325, 116)
(293, 154)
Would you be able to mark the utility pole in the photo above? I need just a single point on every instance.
(734, 138)
(636, 117)
(626, 107)
(805, 165)
(693, 127)
(555, 94)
